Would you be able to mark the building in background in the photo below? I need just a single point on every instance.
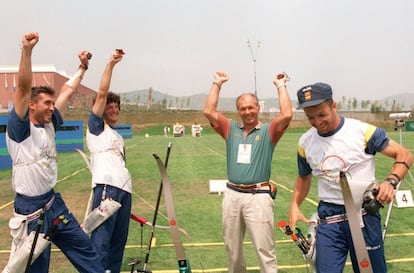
(45, 75)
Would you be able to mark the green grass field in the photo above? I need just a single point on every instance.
(192, 163)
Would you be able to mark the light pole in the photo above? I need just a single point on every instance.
(254, 54)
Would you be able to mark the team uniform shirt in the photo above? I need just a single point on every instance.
(107, 150)
(350, 148)
(32, 149)
(248, 158)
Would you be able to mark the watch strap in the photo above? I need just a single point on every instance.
(392, 182)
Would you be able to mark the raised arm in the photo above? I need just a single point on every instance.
(69, 88)
(210, 108)
(100, 102)
(24, 83)
(285, 104)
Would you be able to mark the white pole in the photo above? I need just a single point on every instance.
(254, 55)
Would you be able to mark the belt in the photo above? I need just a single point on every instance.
(37, 213)
(255, 188)
(248, 187)
(337, 218)
(334, 219)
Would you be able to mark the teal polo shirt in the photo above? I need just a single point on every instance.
(258, 170)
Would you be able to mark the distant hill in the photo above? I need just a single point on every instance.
(404, 102)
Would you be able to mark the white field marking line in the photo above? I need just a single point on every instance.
(299, 266)
(151, 206)
(163, 215)
(58, 181)
(244, 243)
(217, 270)
(171, 245)
(210, 149)
(6, 205)
(136, 143)
(221, 269)
(313, 202)
(135, 193)
(207, 244)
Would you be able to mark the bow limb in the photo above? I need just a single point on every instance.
(88, 164)
(183, 231)
(86, 159)
(88, 208)
(183, 262)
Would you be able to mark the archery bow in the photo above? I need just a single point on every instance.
(183, 262)
(361, 252)
(88, 164)
(138, 219)
(154, 221)
(144, 221)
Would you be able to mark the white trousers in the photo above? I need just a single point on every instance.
(254, 213)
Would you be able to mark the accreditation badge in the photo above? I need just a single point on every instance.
(244, 153)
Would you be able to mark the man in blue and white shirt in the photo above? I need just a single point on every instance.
(335, 144)
(110, 177)
(31, 144)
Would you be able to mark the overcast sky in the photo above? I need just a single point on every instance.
(364, 49)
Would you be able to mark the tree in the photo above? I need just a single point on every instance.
(365, 104)
(386, 103)
(349, 103)
(149, 100)
(393, 106)
(376, 107)
(354, 103)
(343, 100)
(339, 106)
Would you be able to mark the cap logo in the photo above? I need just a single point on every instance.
(307, 93)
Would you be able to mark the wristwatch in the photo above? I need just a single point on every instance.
(392, 182)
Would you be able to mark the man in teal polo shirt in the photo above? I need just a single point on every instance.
(248, 199)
